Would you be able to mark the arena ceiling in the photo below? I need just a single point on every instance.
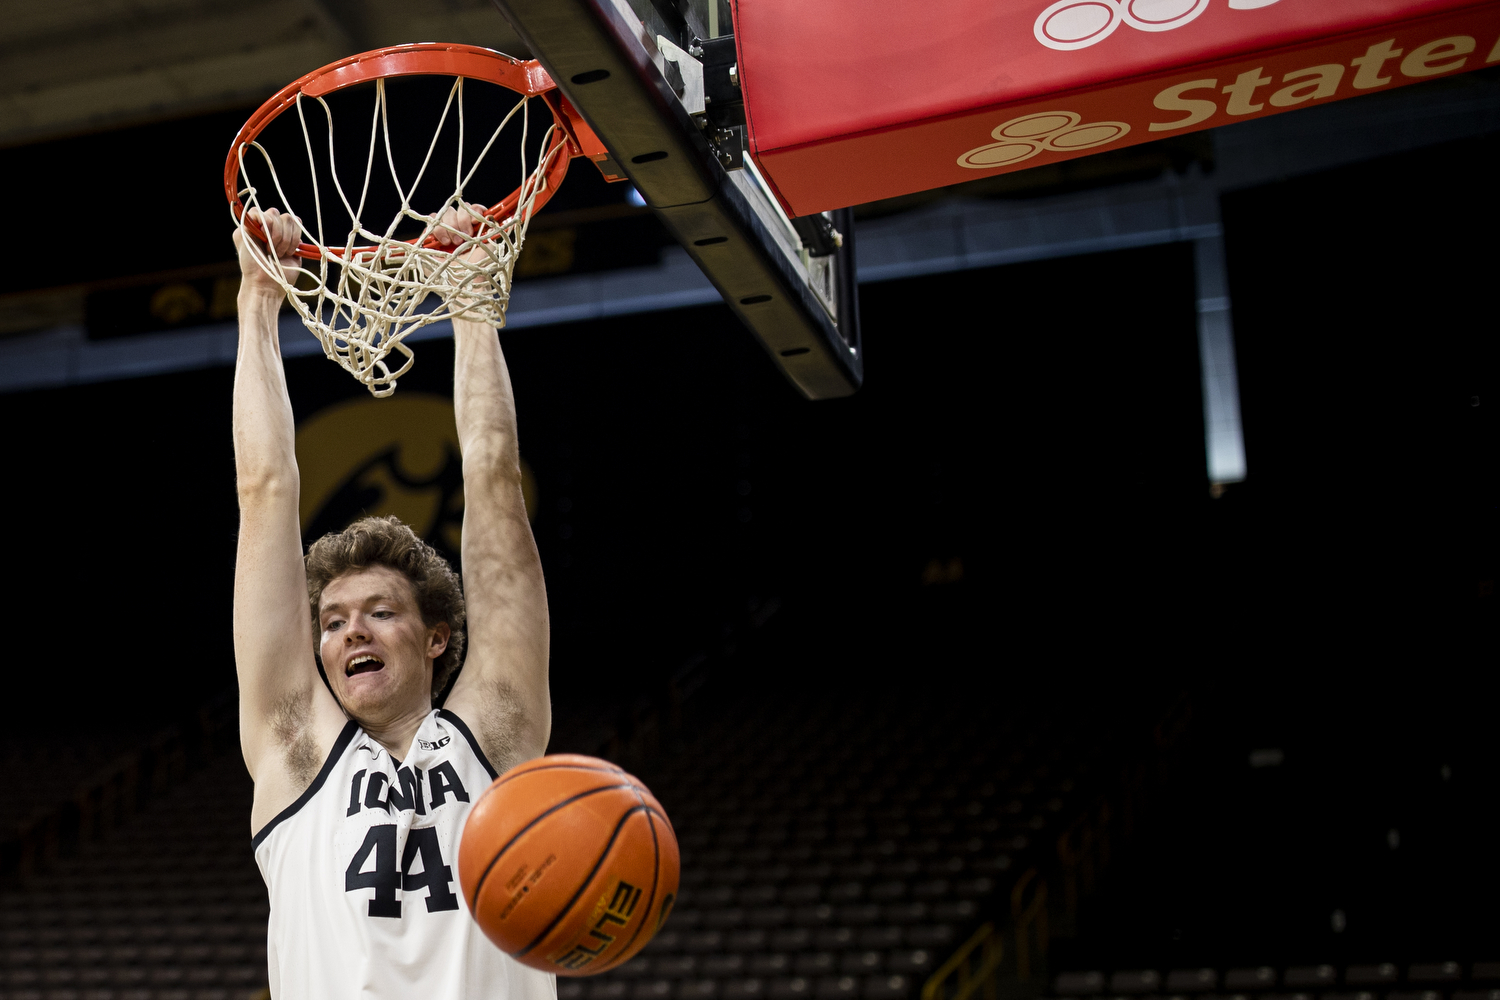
(74, 66)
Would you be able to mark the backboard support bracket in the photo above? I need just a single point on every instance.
(801, 306)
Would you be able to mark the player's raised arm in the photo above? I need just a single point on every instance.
(502, 692)
(283, 704)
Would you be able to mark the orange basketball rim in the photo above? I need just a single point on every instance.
(527, 78)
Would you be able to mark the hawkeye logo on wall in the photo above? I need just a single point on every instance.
(1077, 24)
(398, 456)
(1022, 138)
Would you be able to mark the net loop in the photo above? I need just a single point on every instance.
(362, 298)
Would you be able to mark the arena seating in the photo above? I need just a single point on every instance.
(1418, 981)
(827, 852)
(67, 794)
(845, 849)
(44, 776)
(169, 906)
(161, 900)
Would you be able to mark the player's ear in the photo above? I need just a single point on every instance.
(437, 642)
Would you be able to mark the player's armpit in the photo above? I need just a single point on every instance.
(293, 731)
(504, 683)
(288, 720)
(283, 703)
(506, 729)
(504, 679)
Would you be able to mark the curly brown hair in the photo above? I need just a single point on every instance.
(385, 541)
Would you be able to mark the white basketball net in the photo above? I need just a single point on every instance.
(366, 295)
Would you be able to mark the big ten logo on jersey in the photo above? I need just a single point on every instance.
(374, 864)
(608, 922)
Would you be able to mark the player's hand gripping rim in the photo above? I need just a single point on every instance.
(456, 226)
(283, 232)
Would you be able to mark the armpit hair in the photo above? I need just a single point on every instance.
(291, 725)
(502, 729)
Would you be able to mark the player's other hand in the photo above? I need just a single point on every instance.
(458, 223)
(284, 233)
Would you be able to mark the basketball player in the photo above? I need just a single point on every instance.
(361, 785)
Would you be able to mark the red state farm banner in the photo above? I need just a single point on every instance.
(863, 99)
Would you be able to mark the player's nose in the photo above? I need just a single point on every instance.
(356, 630)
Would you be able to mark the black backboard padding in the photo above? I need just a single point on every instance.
(636, 115)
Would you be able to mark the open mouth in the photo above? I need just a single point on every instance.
(363, 665)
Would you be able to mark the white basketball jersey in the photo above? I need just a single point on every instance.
(363, 875)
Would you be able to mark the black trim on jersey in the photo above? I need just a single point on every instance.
(339, 746)
(448, 716)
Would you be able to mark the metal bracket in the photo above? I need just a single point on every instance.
(729, 146)
(722, 98)
(818, 234)
(802, 309)
(683, 73)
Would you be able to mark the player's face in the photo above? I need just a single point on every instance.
(376, 650)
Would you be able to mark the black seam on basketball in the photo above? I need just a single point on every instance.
(508, 844)
(586, 880)
(511, 775)
(655, 879)
(489, 768)
(339, 746)
(508, 776)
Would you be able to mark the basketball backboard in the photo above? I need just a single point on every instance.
(751, 127)
(847, 109)
(657, 82)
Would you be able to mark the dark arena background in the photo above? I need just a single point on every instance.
(1127, 633)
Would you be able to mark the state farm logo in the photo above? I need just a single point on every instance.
(1077, 24)
(1022, 138)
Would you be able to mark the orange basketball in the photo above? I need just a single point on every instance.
(568, 864)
